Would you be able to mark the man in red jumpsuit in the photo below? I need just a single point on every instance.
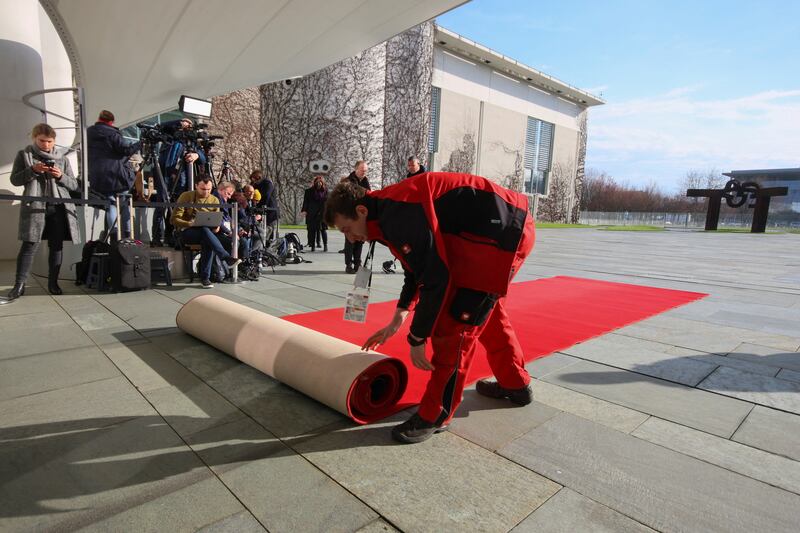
(460, 239)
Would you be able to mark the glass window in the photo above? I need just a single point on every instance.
(537, 157)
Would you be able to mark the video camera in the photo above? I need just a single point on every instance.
(197, 134)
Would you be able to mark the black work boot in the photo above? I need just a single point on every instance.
(492, 389)
(415, 430)
(16, 291)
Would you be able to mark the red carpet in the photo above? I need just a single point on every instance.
(548, 315)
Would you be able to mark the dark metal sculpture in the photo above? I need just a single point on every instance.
(737, 194)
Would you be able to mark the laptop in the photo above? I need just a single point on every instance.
(210, 219)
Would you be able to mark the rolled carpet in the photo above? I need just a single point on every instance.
(365, 386)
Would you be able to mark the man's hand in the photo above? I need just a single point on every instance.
(418, 358)
(190, 157)
(384, 334)
(40, 168)
(55, 171)
(303, 213)
(216, 230)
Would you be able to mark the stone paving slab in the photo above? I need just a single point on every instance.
(443, 484)
(279, 408)
(585, 406)
(774, 431)
(660, 488)
(492, 423)
(25, 334)
(243, 522)
(790, 375)
(187, 509)
(30, 305)
(766, 355)
(89, 405)
(32, 374)
(763, 390)
(378, 526)
(569, 512)
(702, 336)
(68, 480)
(771, 469)
(192, 406)
(539, 368)
(646, 357)
(282, 489)
(147, 366)
(701, 410)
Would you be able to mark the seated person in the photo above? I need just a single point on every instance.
(224, 193)
(252, 196)
(183, 218)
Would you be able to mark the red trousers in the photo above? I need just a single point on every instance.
(454, 345)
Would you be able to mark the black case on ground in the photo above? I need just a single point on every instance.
(130, 260)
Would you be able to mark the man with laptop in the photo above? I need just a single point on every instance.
(200, 226)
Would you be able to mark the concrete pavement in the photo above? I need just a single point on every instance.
(113, 420)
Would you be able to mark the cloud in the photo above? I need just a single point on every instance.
(666, 135)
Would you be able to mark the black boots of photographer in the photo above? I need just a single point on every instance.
(54, 264)
(17, 291)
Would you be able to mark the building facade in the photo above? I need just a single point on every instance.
(431, 93)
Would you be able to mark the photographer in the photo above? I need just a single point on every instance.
(253, 220)
(43, 170)
(109, 171)
(183, 219)
(177, 154)
(268, 201)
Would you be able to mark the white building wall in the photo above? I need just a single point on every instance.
(32, 58)
(505, 102)
(481, 82)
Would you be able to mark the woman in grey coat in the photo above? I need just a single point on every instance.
(44, 171)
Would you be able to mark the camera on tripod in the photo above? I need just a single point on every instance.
(152, 133)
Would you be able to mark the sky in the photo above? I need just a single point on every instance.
(688, 85)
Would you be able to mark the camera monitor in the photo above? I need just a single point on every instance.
(195, 106)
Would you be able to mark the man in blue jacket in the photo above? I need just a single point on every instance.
(110, 173)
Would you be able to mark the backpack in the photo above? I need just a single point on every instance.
(289, 249)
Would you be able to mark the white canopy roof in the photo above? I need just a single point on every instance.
(137, 57)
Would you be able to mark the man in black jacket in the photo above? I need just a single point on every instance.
(110, 173)
(352, 250)
(414, 167)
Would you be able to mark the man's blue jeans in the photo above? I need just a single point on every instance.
(210, 246)
(125, 215)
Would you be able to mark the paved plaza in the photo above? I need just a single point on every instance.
(113, 420)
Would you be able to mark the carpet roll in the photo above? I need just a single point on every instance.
(365, 386)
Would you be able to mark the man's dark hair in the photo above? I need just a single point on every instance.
(343, 201)
(413, 158)
(202, 178)
(106, 116)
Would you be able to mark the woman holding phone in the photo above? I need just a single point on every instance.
(43, 170)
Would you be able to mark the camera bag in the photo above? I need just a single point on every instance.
(130, 260)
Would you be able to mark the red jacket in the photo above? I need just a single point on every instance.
(447, 228)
